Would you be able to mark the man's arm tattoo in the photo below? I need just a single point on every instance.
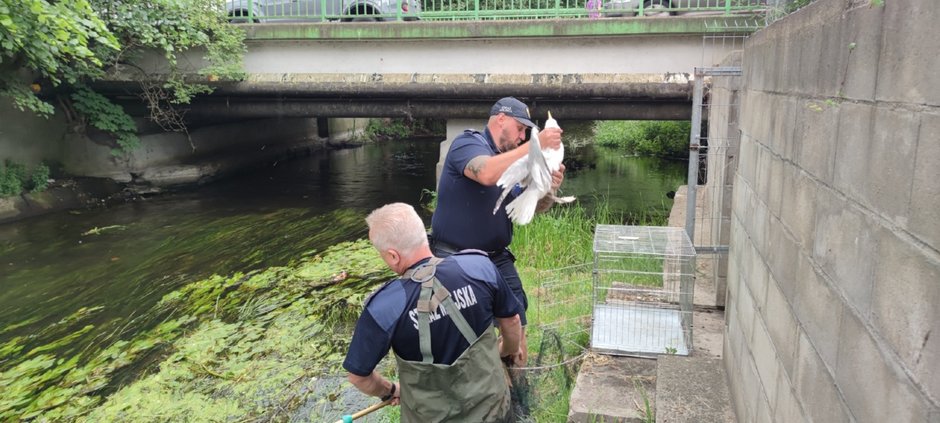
(475, 166)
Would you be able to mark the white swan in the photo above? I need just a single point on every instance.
(534, 173)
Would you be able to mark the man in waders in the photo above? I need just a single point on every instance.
(438, 319)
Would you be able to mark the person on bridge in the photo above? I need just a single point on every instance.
(438, 319)
(467, 191)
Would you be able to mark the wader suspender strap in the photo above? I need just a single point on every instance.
(433, 294)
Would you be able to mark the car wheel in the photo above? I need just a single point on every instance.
(656, 8)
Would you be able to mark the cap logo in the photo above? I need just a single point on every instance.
(505, 109)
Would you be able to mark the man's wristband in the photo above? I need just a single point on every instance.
(390, 394)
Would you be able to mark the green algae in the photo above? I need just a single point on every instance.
(229, 348)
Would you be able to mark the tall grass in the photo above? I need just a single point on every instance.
(555, 261)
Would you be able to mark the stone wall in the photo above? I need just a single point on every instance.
(833, 308)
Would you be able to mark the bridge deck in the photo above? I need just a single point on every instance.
(624, 68)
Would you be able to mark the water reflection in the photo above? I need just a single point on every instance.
(146, 249)
(628, 184)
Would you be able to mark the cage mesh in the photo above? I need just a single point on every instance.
(642, 290)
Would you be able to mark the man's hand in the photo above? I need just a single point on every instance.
(396, 397)
(550, 138)
(558, 177)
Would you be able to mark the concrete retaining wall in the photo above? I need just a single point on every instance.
(163, 158)
(834, 275)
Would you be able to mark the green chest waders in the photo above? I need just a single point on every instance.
(473, 389)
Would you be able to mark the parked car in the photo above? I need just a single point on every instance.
(614, 8)
(311, 10)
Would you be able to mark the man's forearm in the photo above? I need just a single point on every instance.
(373, 384)
(510, 329)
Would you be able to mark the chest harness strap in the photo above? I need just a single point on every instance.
(433, 295)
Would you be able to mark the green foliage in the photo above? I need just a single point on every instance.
(71, 42)
(242, 347)
(387, 128)
(646, 138)
(401, 128)
(646, 409)
(16, 178)
(431, 198)
(40, 178)
(61, 41)
(23, 98)
(106, 116)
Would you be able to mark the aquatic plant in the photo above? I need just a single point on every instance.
(236, 347)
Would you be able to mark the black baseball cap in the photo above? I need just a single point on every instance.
(513, 107)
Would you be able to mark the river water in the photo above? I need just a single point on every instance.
(118, 261)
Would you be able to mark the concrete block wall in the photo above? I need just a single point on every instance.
(833, 307)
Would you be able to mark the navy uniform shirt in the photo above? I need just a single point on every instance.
(464, 216)
(391, 320)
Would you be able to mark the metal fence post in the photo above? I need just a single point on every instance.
(697, 94)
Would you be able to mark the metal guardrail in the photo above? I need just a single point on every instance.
(273, 11)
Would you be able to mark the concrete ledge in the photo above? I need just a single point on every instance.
(613, 389)
(68, 196)
(691, 389)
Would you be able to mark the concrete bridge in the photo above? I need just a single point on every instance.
(303, 79)
(632, 68)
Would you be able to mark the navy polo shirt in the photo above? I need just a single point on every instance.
(390, 318)
(464, 216)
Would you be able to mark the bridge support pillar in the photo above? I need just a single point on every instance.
(341, 130)
(455, 127)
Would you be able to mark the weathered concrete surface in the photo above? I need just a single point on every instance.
(613, 389)
(691, 390)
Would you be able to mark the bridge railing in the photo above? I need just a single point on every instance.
(478, 10)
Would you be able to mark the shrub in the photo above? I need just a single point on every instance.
(648, 138)
(14, 178)
(9, 185)
(401, 128)
(40, 179)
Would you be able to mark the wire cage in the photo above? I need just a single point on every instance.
(642, 290)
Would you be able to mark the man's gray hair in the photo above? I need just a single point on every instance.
(396, 226)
